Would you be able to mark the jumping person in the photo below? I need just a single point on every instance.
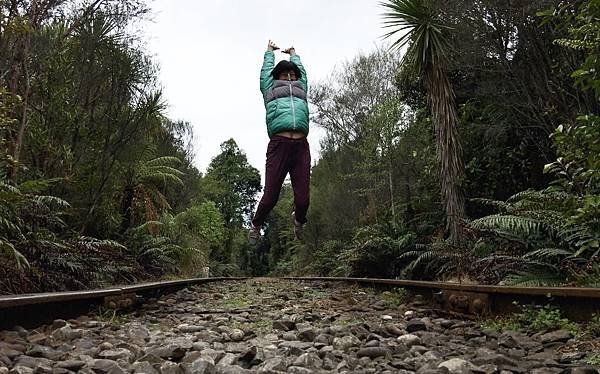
(284, 89)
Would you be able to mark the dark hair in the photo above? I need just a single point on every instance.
(284, 66)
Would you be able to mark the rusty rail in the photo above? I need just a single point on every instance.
(39, 308)
(485, 300)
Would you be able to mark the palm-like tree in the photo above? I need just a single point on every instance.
(422, 29)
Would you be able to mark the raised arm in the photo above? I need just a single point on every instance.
(296, 60)
(266, 80)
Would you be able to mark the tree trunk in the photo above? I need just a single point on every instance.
(449, 149)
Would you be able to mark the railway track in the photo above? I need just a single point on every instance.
(461, 299)
(301, 325)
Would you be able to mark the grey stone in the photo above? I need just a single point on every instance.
(273, 365)
(66, 333)
(458, 366)
(284, 325)
(415, 325)
(169, 367)
(73, 365)
(556, 336)
(43, 351)
(104, 366)
(227, 360)
(408, 340)
(345, 342)
(143, 367)
(308, 360)
(116, 354)
(173, 351)
(299, 370)
(307, 334)
(18, 369)
(373, 352)
(32, 362)
(203, 366)
(236, 335)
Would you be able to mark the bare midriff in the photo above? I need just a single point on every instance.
(291, 134)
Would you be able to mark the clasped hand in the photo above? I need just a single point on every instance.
(273, 47)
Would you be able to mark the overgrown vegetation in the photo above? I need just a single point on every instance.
(98, 186)
(526, 94)
(534, 319)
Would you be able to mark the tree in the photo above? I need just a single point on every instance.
(232, 183)
(426, 36)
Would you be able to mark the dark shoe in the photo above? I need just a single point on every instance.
(297, 227)
(253, 235)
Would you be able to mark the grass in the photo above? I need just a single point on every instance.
(111, 316)
(394, 298)
(593, 360)
(532, 319)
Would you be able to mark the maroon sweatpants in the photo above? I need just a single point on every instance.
(285, 156)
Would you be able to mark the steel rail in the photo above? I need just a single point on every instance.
(486, 300)
(10, 301)
(593, 293)
(38, 308)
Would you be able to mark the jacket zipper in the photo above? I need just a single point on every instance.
(293, 109)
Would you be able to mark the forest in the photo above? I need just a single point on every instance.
(465, 148)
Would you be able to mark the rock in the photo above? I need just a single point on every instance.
(307, 334)
(274, 364)
(446, 323)
(66, 333)
(493, 358)
(227, 360)
(32, 362)
(393, 330)
(18, 369)
(105, 346)
(567, 358)
(408, 340)
(171, 351)
(236, 335)
(72, 365)
(169, 367)
(203, 366)
(58, 323)
(298, 370)
(296, 348)
(248, 354)
(308, 360)
(323, 338)
(116, 354)
(187, 329)
(104, 366)
(138, 333)
(284, 325)
(373, 352)
(43, 351)
(410, 314)
(415, 325)
(345, 342)
(458, 366)
(556, 336)
(584, 370)
(143, 367)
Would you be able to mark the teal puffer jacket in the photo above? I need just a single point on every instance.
(285, 101)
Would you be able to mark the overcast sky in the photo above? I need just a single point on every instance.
(210, 53)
